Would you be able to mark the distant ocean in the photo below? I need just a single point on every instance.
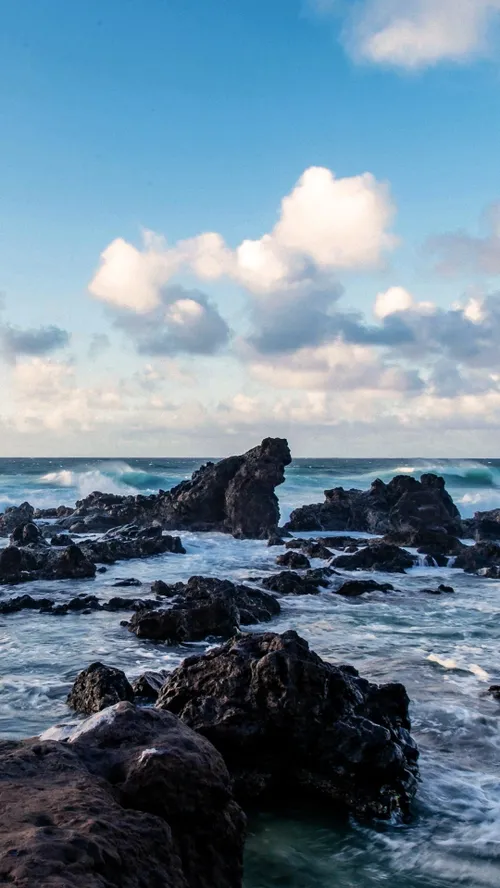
(445, 649)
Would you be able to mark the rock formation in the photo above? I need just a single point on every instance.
(404, 504)
(293, 728)
(134, 798)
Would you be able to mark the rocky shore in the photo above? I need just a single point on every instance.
(151, 789)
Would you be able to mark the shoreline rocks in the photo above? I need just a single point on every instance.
(291, 726)
(404, 504)
(133, 798)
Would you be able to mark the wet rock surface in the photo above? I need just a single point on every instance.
(133, 799)
(294, 560)
(353, 588)
(291, 726)
(290, 583)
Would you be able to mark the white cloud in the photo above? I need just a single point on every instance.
(397, 299)
(325, 222)
(132, 279)
(414, 34)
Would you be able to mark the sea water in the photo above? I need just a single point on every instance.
(445, 649)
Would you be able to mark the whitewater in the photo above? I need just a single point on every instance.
(445, 649)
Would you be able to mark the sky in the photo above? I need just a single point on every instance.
(231, 219)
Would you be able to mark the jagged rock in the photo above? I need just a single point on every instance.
(59, 512)
(483, 526)
(134, 798)
(33, 562)
(98, 687)
(235, 495)
(484, 555)
(290, 583)
(83, 604)
(295, 728)
(494, 690)
(353, 588)
(14, 516)
(293, 560)
(166, 590)
(118, 603)
(426, 542)
(149, 684)
(380, 556)
(403, 504)
(131, 542)
(205, 607)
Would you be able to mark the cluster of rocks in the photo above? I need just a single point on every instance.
(289, 725)
(30, 555)
(402, 504)
(204, 607)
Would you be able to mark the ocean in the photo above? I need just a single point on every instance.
(445, 649)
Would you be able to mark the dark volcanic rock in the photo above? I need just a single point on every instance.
(380, 556)
(402, 505)
(311, 548)
(98, 687)
(477, 557)
(235, 495)
(61, 539)
(149, 684)
(131, 542)
(425, 541)
(290, 583)
(25, 602)
(205, 607)
(127, 582)
(14, 516)
(494, 690)
(41, 562)
(133, 799)
(483, 526)
(353, 588)
(27, 535)
(294, 728)
(293, 560)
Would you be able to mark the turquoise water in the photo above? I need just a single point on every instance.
(445, 649)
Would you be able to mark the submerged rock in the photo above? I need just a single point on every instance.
(353, 588)
(98, 687)
(294, 728)
(404, 504)
(235, 495)
(378, 556)
(134, 798)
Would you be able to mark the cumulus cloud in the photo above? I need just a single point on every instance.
(460, 251)
(414, 34)
(182, 321)
(325, 224)
(16, 342)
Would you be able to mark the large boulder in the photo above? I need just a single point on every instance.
(235, 495)
(293, 728)
(483, 526)
(290, 583)
(134, 798)
(404, 504)
(293, 560)
(377, 556)
(98, 687)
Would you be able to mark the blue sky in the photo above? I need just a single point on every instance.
(182, 118)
